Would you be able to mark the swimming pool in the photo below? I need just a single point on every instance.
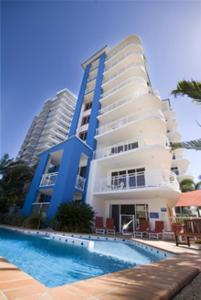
(54, 263)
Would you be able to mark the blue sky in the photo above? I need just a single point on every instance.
(45, 42)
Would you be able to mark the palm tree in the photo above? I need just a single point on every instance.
(187, 185)
(13, 185)
(5, 161)
(191, 89)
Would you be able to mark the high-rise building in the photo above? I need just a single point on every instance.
(49, 128)
(118, 156)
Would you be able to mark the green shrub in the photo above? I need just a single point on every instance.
(11, 219)
(73, 217)
(34, 221)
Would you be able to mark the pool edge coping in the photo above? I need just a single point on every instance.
(178, 256)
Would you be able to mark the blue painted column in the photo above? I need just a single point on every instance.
(33, 189)
(78, 108)
(93, 122)
(86, 181)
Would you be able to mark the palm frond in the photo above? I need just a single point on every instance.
(191, 89)
(190, 145)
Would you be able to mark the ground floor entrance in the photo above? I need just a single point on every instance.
(126, 217)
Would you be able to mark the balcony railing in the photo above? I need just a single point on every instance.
(119, 50)
(40, 208)
(133, 66)
(128, 119)
(136, 79)
(48, 179)
(123, 57)
(129, 145)
(80, 182)
(137, 181)
(120, 102)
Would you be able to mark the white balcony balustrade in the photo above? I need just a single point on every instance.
(129, 145)
(48, 179)
(128, 119)
(114, 59)
(40, 207)
(124, 100)
(134, 79)
(80, 182)
(131, 41)
(137, 181)
(137, 66)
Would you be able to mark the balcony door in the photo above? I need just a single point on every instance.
(128, 179)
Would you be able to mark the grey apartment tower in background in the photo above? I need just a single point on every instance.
(49, 127)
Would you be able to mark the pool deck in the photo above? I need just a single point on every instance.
(161, 280)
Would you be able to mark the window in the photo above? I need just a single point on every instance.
(85, 120)
(128, 178)
(121, 148)
(83, 135)
(82, 171)
(88, 106)
(175, 170)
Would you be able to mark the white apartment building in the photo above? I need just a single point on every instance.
(118, 157)
(50, 127)
(134, 171)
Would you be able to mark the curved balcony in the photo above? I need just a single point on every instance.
(124, 89)
(129, 145)
(121, 52)
(128, 119)
(137, 181)
(132, 102)
(129, 57)
(140, 84)
(123, 74)
(174, 136)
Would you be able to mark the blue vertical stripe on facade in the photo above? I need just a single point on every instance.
(66, 181)
(33, 189)
(93, 122)
(79, 103)
(73, 148)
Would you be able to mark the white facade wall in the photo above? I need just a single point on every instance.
(131, 111)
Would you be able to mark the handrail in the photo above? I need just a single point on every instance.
(131, 144)
(137, 180)
(80, 182)
(123, 47)
(123, 100)
(125, 120)
(121, 71)
(48, 179)
(123, 83)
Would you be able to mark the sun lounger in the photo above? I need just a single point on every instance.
(110, 227)
(158, 231)
(99, 227)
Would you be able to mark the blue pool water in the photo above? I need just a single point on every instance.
(54, 263)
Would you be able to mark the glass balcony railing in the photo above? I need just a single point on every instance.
(137, 67)
(48, 179)
(120, 102)
(128, 119)
(134, 79)
(135, 143)
(80, 182)
(40, 208)
(137, 181)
